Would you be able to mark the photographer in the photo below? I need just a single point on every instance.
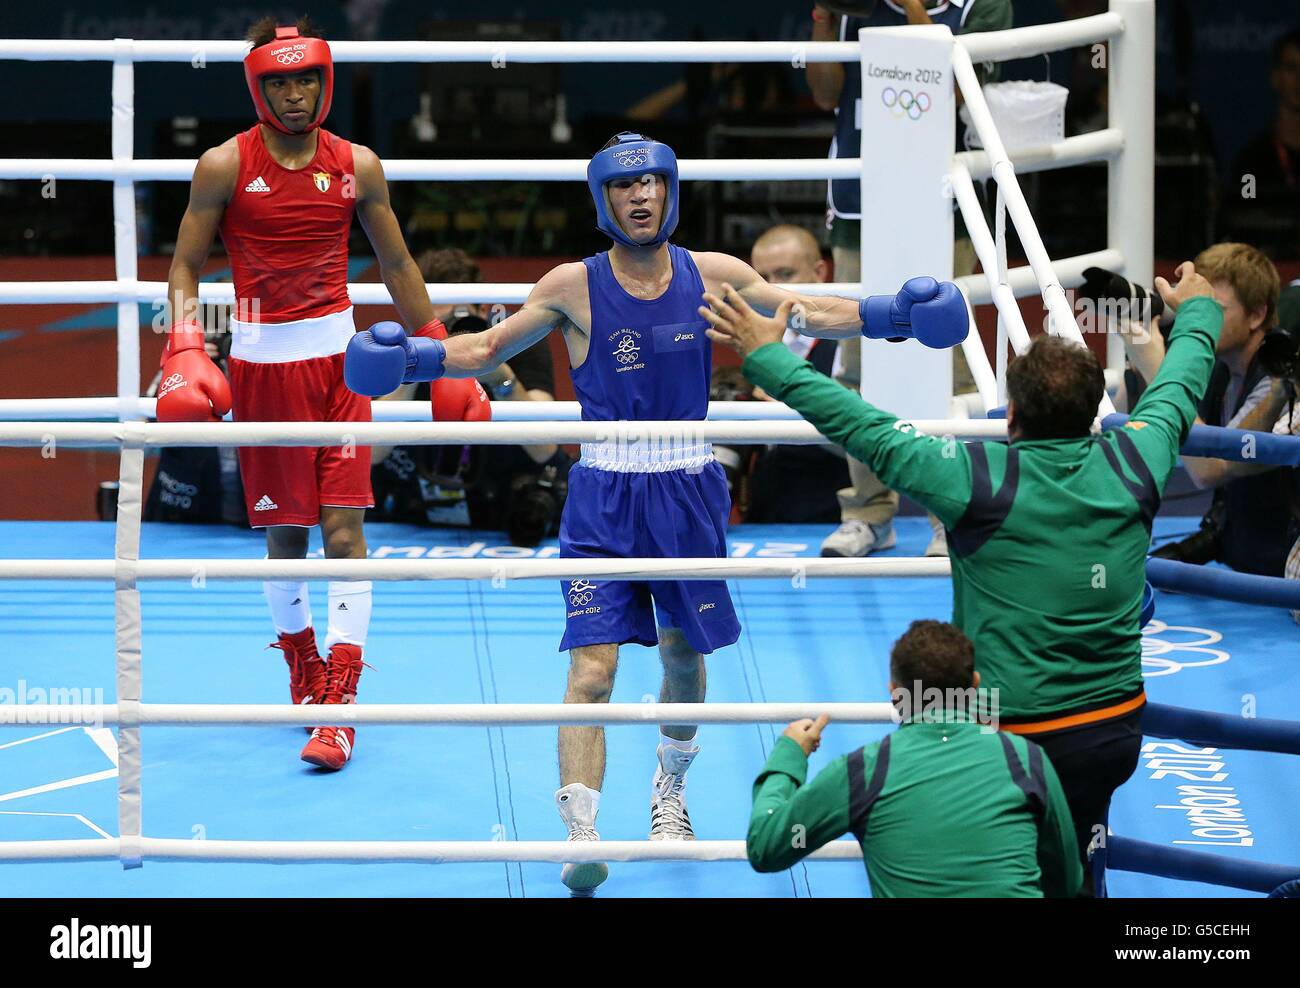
(517, 489)
(1255, 518)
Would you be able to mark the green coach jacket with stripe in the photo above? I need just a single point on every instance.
(1048, 538)
(941, 810)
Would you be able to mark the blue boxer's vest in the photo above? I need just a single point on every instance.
(648, 359)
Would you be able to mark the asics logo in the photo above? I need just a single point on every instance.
(632, 159)
(683, 336)
(290, 56)
(705, 607)
(627, 351)
(170, 384)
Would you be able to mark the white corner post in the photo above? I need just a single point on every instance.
(1130, 200)
(124, 229)
(908, 123)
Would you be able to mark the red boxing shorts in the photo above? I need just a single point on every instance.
(293, 372)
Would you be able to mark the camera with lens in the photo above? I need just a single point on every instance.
(536, 501)
(1279, 354)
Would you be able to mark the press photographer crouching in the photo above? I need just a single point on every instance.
(516, 489)
(1254, 520)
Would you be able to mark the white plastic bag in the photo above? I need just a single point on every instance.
(1025, 113)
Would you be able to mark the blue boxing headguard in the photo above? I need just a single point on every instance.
(632, 157)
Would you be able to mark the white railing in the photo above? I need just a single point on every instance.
(141, 434)
(499, 569)
(1127, 145)
(459, 714)
(135, 850)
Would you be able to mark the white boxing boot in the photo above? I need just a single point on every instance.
(578, 811)
(668, 819)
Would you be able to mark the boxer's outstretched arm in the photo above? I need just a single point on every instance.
(826, 316)
(548, 304)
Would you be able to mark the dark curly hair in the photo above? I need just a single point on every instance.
(1056, 385)
(935, 654)
(262, 31)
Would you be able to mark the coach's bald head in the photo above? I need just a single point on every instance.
(788, 254)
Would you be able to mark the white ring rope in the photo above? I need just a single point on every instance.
(499, 568)
(460, 714)
(1069, 271)
(73, 409)
(74, 434)
(374, 852)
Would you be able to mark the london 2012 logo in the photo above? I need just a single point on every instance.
(634, 158)
(905, 103)
(291, 55)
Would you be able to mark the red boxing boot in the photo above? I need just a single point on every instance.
(306, 667)
(331, 747)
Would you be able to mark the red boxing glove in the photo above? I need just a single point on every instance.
(434, 329)
(459, 399)
(192, 388)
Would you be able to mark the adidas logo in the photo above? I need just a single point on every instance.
(265, 504)
(342, 606)
(257, 185)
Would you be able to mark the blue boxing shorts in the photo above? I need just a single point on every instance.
(673, 513)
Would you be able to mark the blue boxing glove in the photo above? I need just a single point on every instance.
(382, 357)
(926, 310)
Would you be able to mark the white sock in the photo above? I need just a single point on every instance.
(349, 612)
(668, 742)
(290, 606)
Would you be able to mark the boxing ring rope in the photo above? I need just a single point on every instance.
(458, 714)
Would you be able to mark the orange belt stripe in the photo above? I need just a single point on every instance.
(1075, 720)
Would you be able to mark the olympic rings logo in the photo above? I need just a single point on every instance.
(905, 103)
(172, 382)
(290, 57)
(632, 159)
(1155, 650)
(580, 592)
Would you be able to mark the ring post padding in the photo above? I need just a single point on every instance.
(130, 505)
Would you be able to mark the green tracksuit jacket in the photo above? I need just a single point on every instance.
(1048, 538)
(941, 810)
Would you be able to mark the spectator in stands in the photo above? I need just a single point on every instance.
(943, 807)
(518, 489)
(793, 483)
(1255, 517)
(1262, 196)
(867, 506)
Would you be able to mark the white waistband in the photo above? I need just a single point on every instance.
(282, 342)
(646, 455)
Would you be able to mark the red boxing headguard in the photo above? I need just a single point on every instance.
(289, 53)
